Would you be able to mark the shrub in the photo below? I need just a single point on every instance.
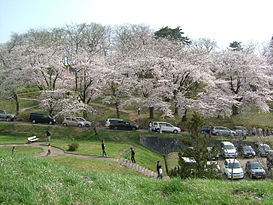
(73, 146)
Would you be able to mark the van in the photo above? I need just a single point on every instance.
(228, 150)
(41, 118)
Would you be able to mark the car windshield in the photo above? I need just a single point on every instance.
(247, 148)
(234, 165)
(229, 147)
(256, 165)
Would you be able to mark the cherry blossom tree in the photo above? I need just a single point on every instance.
(244, 77)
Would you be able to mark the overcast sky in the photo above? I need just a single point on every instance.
(221, 20)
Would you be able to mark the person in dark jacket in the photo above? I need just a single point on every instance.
(157, 168)
(103, 147)
(133, 155)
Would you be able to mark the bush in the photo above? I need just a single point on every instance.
(73, 146)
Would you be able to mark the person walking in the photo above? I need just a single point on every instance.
(138, 110)
(103, 147)
(48, 150)
(160, 170)
(13, 150)
(48, 135)
(133, 155)
(157, 168)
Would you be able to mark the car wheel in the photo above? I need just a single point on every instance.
(175, 131)
(79, 125)
(65, 125)
(115, 128)
(50, 123)
(33, 122)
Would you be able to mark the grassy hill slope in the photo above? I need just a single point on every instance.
(28, 180)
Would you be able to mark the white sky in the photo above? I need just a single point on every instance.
(221, 20)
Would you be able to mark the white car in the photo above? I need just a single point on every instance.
(164, 127)
(233, 169)
(228, 150)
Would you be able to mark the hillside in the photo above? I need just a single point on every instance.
(28, 180)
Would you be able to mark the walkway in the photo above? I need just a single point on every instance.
(56, 151)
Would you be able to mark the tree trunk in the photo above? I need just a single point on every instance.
(151, 109)
(175, 110)
(235, 110)
(184, 117)
(17, 103)
(117, 110)
(84, 114)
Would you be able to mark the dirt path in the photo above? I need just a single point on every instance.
(56, 151)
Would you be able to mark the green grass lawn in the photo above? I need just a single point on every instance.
(144, 157)
(5, 139)
(28, 180)
(92, 165)
(21, 150)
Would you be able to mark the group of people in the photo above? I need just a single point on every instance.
(261, 132)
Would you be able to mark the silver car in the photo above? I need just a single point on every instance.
(222, 131)
(72, 121)
(86, 122)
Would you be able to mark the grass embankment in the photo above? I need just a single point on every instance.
(117, 143)
(27, 180)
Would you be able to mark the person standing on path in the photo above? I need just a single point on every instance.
(133, 155)
(48, 150)
(157, 168)
(103, 147)
(13, 150)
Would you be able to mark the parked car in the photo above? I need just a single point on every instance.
(213, 167)
(255, 170)
(122, 125)
(206, 129)
(228, 150)
(86, 122)
(233, 169)
(269, 160)
(72, 121)
(246, 151)
(222, 131)
(111, 120)
(240, 131)
(164, 127)
(41, 118)
(6, 116)
(213, 153)
(262, 149)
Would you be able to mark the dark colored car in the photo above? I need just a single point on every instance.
(255, 170)
(262, 149)
(122, 125)
(206, 129)
(246, 151)
(41, 118)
